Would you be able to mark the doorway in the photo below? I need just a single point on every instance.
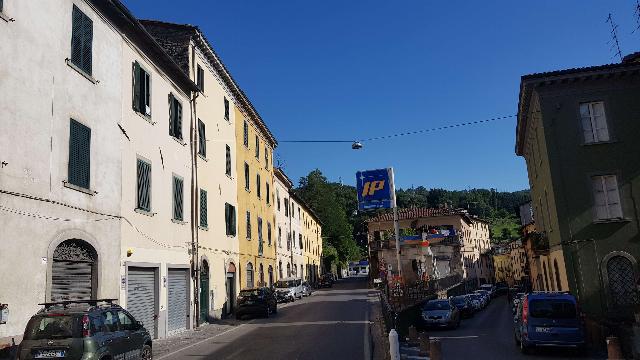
(231, 288)
(204, 292)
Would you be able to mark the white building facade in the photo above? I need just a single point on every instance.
(282, 186)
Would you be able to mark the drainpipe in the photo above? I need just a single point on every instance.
(194, 193)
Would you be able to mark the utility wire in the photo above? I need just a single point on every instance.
(384, 137)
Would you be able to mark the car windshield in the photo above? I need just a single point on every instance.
(285, 283)
(53, 326)
(249, 293)
(437, 305)
(552, 309)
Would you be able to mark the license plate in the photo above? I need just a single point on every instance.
(543, 329)
(49, 354)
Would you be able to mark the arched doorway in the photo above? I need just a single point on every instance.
(204, 292)
(231, 287)
(621, 276)
(74, 271)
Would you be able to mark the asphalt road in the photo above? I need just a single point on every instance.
(489, 335)
(331, 324)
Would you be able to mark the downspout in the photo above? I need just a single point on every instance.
(194, 208)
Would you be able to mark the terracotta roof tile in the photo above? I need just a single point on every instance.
(416, 213)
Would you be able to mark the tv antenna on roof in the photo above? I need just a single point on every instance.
(615, 45)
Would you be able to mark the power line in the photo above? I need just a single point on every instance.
(384, 137)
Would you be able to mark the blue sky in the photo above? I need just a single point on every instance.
(336, 69)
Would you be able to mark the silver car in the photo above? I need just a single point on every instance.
(440, 313)
(306, 289)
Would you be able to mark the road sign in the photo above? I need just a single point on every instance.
(375, 189)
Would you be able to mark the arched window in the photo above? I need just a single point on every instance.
(621, 275)
(249, 276)
(261, 274)
(556, 269)
(74, 271)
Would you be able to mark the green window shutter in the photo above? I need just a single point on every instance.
(146, 94)
(178, 203)
(136, 86)
(246, 176)
(246, 134)
(202, 142)
(233, 220)
(1, 5)
(171, 112)
(87, 44)
(226, 218)
(258, 187)
(178, 125)
(269, 233)
(79, 169)
(226, 109)
(228, 161)
(76, 37)
(268, 192)
(260, 244)
(248, 225)
(144, 185)
(203, 208)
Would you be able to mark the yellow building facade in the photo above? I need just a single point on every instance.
(312, 242)
(502, 268)
(256, 217)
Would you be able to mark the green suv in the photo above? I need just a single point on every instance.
(84, 330)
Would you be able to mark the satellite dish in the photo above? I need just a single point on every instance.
(357, 145)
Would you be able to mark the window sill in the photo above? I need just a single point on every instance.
(146, 117)
(179, 141)
(611, 221)
(81, 72)
(144, 212)
(4, 17)
(204, 158)
(205, 228)
(179, 222)
(612, 141)
(69, 185)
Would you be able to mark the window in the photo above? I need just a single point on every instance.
(178, 196)
(126, 322)
(258, 187)
(268, 192)
(261, 275)
(227, 169)
(260, 242)
(288, 270)
(230, 219)
(246, 134)
(286, 207)
(202, 139)
(280, 269)
(200, 78)
(110, 321)
(249, 276)
(279, 237)
(79, 169)
(269, 233)
(594, 122)
(293, 210)
(606, 197)
(288, 241)
(203, 208)
(278, 198)
(249, 225)
(246, 177)
(620, 274)
(226, 109)
(175, 117)
(144, 185)
(300, 241)
(81, 40)
(1, 5)
(266, 158)
(257, 147)
(141, 90)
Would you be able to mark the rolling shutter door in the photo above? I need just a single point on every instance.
(177, 302)
(71, 280)
(141, 297)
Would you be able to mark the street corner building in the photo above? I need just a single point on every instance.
(578, 134)
(435, 243)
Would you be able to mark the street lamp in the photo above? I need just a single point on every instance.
(357, 145)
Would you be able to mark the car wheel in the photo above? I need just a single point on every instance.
(146, 354)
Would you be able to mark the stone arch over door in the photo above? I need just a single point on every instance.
(620, 277)
(74, 271)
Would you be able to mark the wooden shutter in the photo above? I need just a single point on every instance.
(268, 193)
(226, 218)
(202, 142)
(1, 5)
(144, 185)
(226, 109)
(228, 163)
(79, 169)
(203, 208)
(178, 117)
(246, 176)
(233, 219)
(248, 225)
(87, 44)
(76, 37)
(258, 187)
(246, 134)
(178, 198)
(171, 112)
(136, 86)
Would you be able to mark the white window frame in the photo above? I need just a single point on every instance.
(592, 122)
(609, 204)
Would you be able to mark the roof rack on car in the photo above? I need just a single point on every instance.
(66, 303)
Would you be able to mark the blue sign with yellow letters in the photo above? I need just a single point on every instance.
(375, 189)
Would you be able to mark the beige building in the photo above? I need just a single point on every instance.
(311, 234)
(284, 251)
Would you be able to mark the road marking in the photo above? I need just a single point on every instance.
(199, 342)
(455, 337)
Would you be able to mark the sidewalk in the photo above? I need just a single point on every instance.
(162, 348)
(379, 337)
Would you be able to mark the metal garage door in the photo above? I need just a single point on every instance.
(141, 297)
(71, 280)
(178, 299)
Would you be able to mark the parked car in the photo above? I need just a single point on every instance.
(289, 289)
(476, 301)
(490, 288)
(91, 329)
(464, 305)
(548, 319)
(501, 289)
(516, 300)
(437, 313)
(259, 302)
(306, 289)
(325, 280)
(486, 297)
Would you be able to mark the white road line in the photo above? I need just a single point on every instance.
(199, 342)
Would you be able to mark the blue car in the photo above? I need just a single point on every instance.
(548, 319)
